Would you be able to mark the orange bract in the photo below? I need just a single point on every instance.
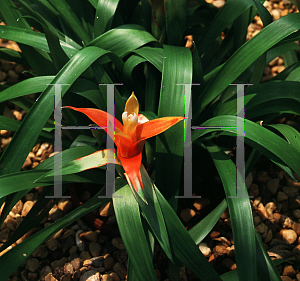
(130, 137)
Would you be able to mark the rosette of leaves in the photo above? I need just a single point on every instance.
(86, 45)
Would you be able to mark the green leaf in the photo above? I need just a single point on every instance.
(175, 13)
(183, 245)
(260, 138)
(247, 54)
(133, 235)
(240, 214)
(177, 69)
(202, 228)
(104, 16)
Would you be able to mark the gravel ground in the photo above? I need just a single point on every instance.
(95, 251)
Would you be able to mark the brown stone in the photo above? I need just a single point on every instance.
(4, 234)
(289, 271)
(115, 276)
(288, 235)
(50, 277)
(118, 243)
(65, 204)
(261, 228)
(107, 277)
(281, 196)
(225, 215)
(262, 176)
(95, 249)
(106, 210)
(32, 264)
(201, 203)
(270, 208)
(229, 264)
(26, 208)
(59, 263)
(108, 262)
(44, 272)
(261, 210)
(219, 250)
(273, 185)
(89, 235)
(52, 244)
(120, 269)
(187, 214)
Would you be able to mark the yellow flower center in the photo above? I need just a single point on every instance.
(130, 122)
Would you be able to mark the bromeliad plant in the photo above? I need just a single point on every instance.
(129, 138)
(85, 44)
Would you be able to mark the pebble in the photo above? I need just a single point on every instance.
(289, 271)
(225, 215)
(120, 269)
(55, 214)
(273, 185)
(256, 220)
(219, 3)
(281, 196)
(118, 243)
(219, 250)
(85, 255)
(229, 264)
(76, 263)
(262, 212)
(290, 191)
(288, 235)
(120, 256)
(79, 241)
(201, 203)
(296, 213)
(261, 228)
(270, 208)
(91, 275)
(187, 214)
(205, 250)
(68, 269)
(26, 208)
(109, 262)
(65, 205)
(90, 236)
(59, 263)
(106, 210)
(115, 276)
(262, 176)
(40, 252)
(4, 234)
(276, 13)
(32, 264)
(107, 277)
(95, 249)
(269, 236)
(52, 244)
(254, 191)
(44, 272)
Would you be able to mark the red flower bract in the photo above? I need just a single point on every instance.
(130, 137)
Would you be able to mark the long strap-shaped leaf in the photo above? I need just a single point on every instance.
(270, 144)
(177, 69)
(240, 214)
(133, 235)
(245, 56)
(244, 234)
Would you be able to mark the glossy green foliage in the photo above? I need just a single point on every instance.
(86, 45)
